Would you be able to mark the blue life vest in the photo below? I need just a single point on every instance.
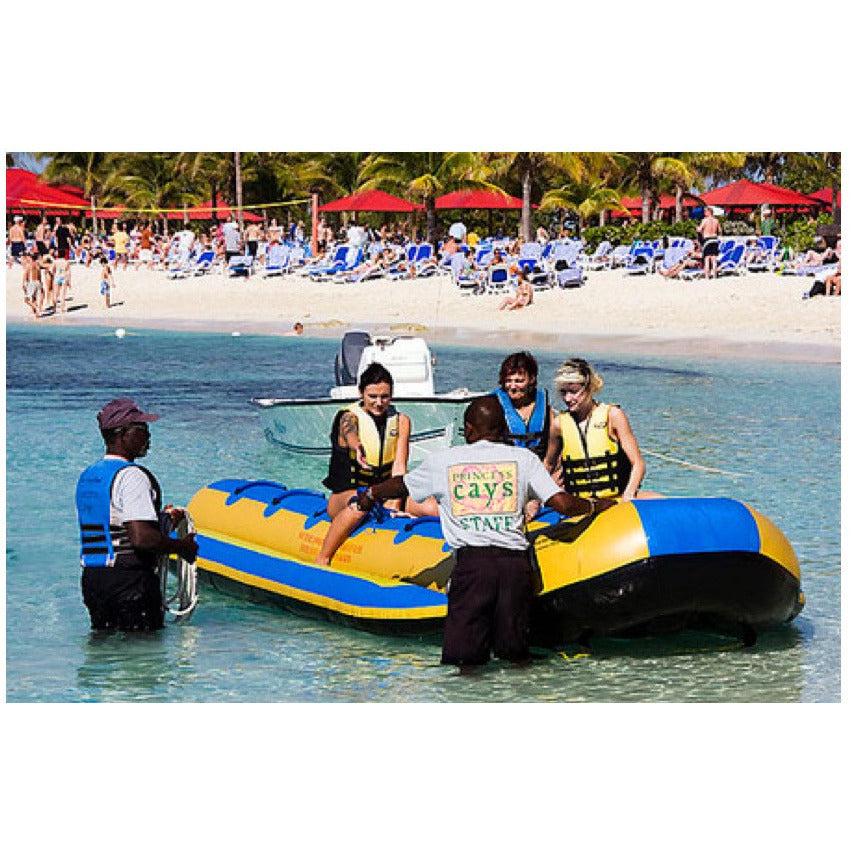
(103, 544)
(535, 434)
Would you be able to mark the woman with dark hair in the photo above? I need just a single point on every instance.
(369, 443)
(526, 407)
(527, 411)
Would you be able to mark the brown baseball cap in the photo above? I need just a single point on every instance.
(121, 412)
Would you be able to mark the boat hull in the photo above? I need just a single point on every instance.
(303, 426)
(639, 568)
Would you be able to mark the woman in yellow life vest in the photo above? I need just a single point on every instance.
(598, 451)
(369, 443)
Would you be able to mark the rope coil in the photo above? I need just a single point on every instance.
(185, 594)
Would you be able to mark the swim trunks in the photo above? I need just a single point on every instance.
(711, 247)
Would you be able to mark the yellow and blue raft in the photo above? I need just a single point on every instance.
(642, 567)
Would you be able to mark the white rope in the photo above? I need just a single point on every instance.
(690, 465)
(186, 594)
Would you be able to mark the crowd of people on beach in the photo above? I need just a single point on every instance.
(48, 253)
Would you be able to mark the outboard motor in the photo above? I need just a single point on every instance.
(348, 357)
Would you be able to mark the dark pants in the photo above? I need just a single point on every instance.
(128, 600)
(490, 594)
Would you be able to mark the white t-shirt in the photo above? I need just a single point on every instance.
(133, 497)
(482, 490)
(230, 231)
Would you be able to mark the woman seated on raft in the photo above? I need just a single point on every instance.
(598, 451)
(369, 443)
(528, 414)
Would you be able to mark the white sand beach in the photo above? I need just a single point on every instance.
(758, 315)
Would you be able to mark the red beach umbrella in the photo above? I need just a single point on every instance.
(825, 196)
(372, 200)
(744, 194)
(477, 199)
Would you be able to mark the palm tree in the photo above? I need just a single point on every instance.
(533, 171)
(645, 170)
(88, 171)
(585, 198)
(696, 167)
(422, 177)
(148, 181)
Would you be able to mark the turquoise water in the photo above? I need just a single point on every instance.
(754, 419)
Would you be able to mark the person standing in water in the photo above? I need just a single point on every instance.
(119, 507)
(481, 489)
(597, 449)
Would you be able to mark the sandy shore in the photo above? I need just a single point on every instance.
(753, 316)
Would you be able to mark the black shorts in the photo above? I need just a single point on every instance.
(490, 595)
(711, 247)
(128, 600)
(252, 247)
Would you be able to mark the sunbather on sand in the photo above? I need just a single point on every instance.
(523, 296)
(691, 260)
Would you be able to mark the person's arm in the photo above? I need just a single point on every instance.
(392, 488)
(569, 505)
(553, 449)
(349, 437)
(402, 446)
(144, 534)
(620, 429)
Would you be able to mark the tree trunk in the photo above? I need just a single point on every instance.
(430, 221)
(237, 166)
(836, 209)
(525, 226)
(679, 193)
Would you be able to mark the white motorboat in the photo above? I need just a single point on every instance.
(303, 425)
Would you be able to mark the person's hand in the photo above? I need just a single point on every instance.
(188, 548)
(603, 505)
(361, 457)
(365, 501)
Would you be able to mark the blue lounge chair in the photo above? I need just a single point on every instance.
(642, 260)
(464, 277)
(277, 260)
(732, 262)
(335, 261)
(599, 259)
(672, 256)
(240, 266)
(498, 280)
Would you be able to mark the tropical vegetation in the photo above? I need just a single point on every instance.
(583, 189)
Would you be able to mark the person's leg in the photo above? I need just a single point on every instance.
(471, 598)
(344, 519)
(513, 608)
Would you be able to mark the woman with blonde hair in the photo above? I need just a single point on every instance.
(598, 452)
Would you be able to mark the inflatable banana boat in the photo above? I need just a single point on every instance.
(642, 567)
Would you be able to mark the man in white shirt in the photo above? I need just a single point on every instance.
(481, 490)
(232, 241)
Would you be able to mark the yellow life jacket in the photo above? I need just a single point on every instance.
(593, 463)
(380, 450)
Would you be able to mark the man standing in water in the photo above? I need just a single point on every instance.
(482, 489)
(119, 507)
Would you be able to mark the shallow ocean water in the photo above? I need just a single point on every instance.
(737, 416)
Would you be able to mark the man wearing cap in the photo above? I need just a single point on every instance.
(119, 507)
